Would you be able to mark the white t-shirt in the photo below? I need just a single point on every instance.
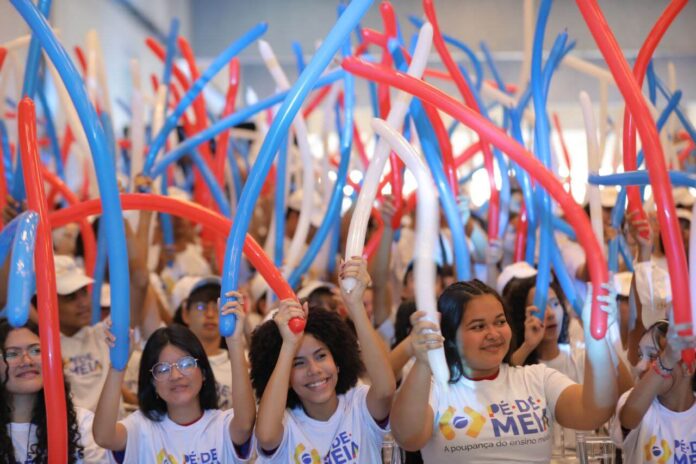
(85, 364)
(350, 435)
(507, 419)
(222, 369)
(663, 436)
(24, 436)
(570, 362)
(205, 441)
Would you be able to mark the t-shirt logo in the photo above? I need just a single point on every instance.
(306, 457)
(165, 458)
(472, 421)
(659, 454)
(82, 364)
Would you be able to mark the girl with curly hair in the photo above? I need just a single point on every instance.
(178, 418)
(491, 411)
(23, 435)
(310, 408)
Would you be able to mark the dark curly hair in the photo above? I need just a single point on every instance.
(515, 295)
(451, 305)
(38, 415)
(181, 337)
(324, 325)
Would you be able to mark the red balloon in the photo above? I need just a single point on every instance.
(597, 265)
(654, 159)
(640, 67)
(46, 295)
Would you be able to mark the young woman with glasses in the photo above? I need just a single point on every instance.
(178, 418)
(23, 436)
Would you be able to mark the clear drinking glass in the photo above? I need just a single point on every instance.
(391, 453)
(591, 449)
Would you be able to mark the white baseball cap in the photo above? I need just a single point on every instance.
(608, 197)
(295, 202)
(69, 276)
(313, 285)
(185, 286)
(518, 270)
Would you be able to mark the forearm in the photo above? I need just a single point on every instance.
(380, 272)
(600, 391)
(520, 355)
(106, 414)
(374, 355)
(399, 356)
(640, 399)
(412, 401)
(242, 395)
(269, 421)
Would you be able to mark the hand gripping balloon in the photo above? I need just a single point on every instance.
(427, 224)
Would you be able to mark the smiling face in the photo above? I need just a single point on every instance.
(181, 388)
(553, 317)
(483, 336)
(314, 377)
(20, 365)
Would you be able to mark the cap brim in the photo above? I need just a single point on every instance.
(69, 285)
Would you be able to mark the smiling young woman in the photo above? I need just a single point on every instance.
(178, 417)
(310, 407)
(23, 435)
(492, 411)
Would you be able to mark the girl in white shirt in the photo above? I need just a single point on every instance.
(23, 435)
(310, 409)
(490, 411)
(178, 419)
(658, 417)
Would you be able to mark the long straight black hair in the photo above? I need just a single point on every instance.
(38, 414)
(154, 407)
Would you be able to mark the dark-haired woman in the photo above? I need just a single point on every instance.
(23, 435)
(490, 411)
(658, 417)
(310, 409)
(178, 419)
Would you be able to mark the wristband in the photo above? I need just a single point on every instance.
(660, 370)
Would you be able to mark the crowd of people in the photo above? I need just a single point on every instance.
(521, 380)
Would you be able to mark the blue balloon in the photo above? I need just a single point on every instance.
(99, 272)
(20, 285)
(566, 281)
(232, 120)
(281, 124)
(6, 153)
(31, 83)
(334, 208)
(478, 69)
(281, 168)
(196, 88)
(170, 55)
(299, 56)
(543, 152)
(112, 215)
(678, 178)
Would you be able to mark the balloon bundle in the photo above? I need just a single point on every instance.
(406, 129)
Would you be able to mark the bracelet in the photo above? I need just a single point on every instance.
(660, 370)
(662, 366)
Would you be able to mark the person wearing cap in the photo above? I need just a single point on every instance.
(197, 300)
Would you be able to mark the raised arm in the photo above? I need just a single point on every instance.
(242, 424)
(269, 420)
(107, 431)
(588, 406)
(660, 377)
(374, 353)
(412, 400)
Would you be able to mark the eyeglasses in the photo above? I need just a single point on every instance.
(201, 306)
(14, 355)
(163, 371)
